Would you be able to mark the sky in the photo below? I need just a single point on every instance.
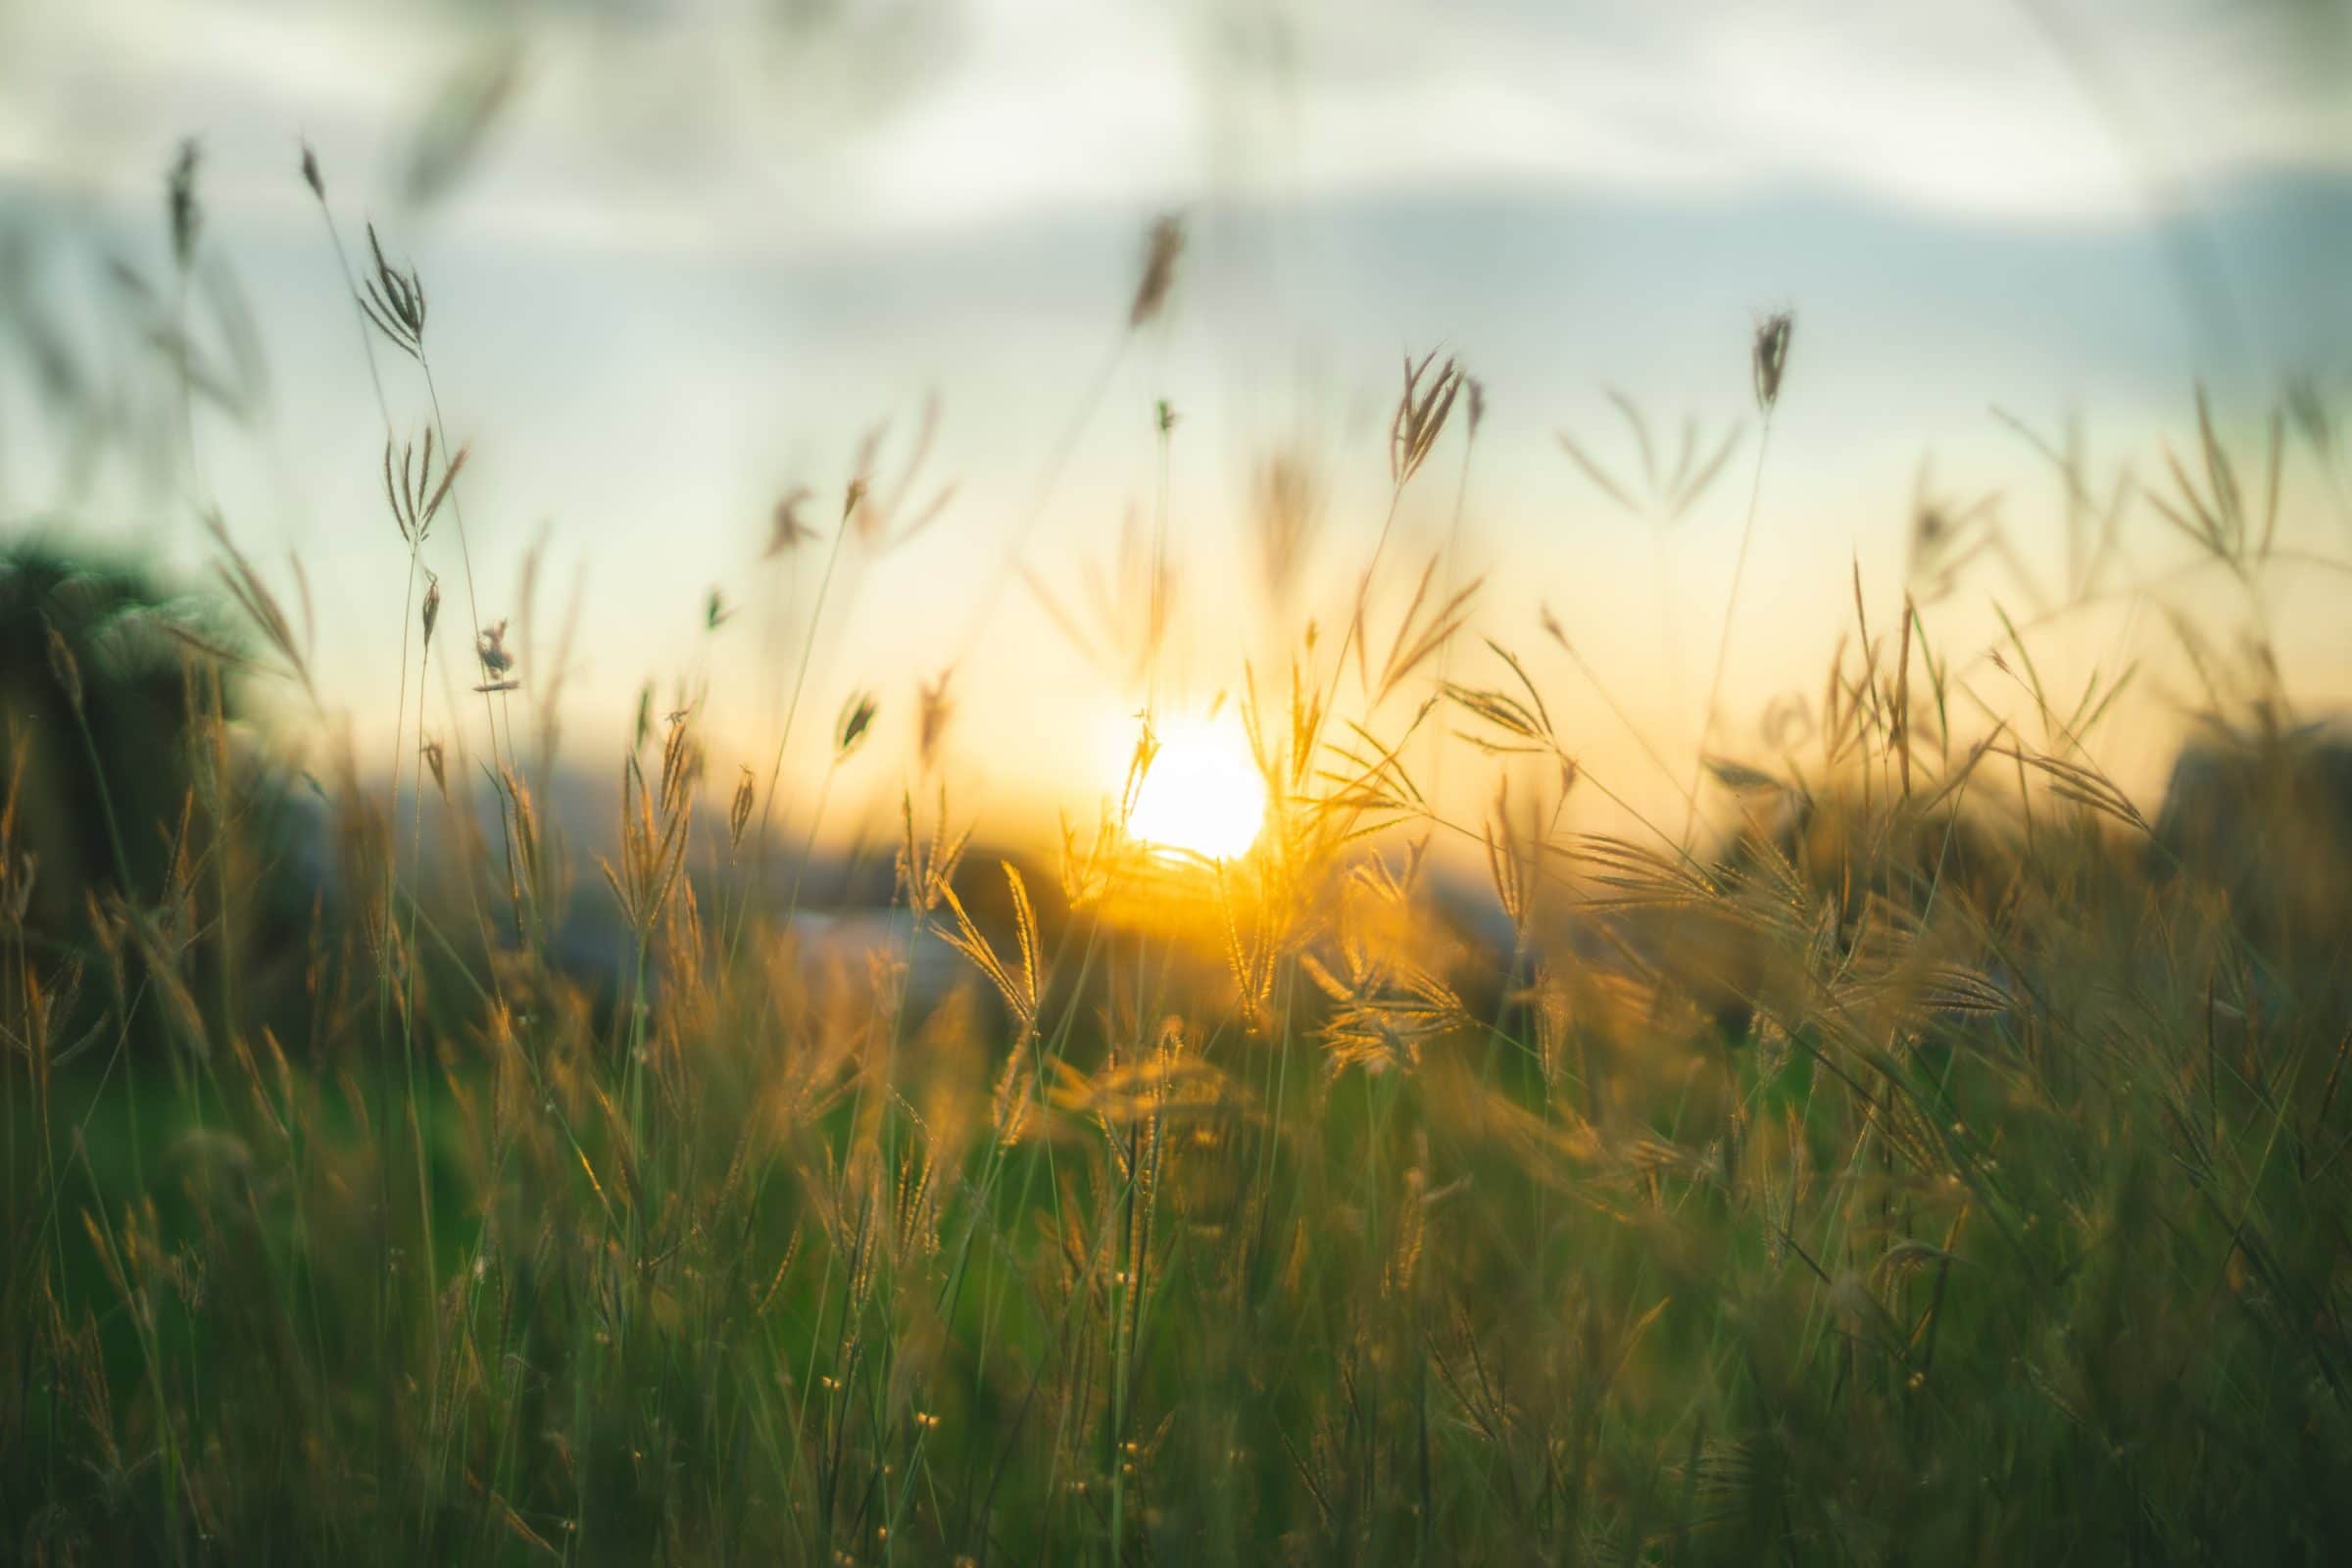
(695, 249)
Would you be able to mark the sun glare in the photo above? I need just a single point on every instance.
(1203, 794)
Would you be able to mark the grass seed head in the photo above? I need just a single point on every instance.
(394, 301)
(1161, 247)
(738, 811)
(934, 712)
(63, 666)
(787, 530)
(857, 719)
(1771, 357)
(1286, 510)
(490, 646)
(187, 215)
(885, 513)
(1421, 414)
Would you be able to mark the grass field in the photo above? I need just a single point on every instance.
(1949, 1167)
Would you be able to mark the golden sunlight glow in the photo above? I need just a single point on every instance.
(1203, 794)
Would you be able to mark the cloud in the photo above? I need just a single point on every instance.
(708, 126)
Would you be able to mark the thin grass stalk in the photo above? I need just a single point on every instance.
(775, 770)
(816, 816)
(1157, 624)
(1330, 696)
(1451, 573)
(386, 978)
(1723, 643)
(419, 1116)
(1048, 478)
(474, 611)
(383, 408)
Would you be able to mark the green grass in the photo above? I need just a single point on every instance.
(2056, 1276)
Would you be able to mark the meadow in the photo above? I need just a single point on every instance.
(1944, 1165)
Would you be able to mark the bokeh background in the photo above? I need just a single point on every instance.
(680, 257)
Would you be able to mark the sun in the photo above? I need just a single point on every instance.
(1203, 795)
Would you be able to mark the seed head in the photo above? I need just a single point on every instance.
(1161, 247)
(787, 531)
(856, 718)
(1286, 508)
(884, 511)
(415, 496)
(394, 301)
(1421, 414)
(65, 668)
(186, 216)
(738, 811)
(434, 761)
(1771, 357)
(933, 713)
(310, 171)
(432, 610)
(490, 646)
(2307, 408)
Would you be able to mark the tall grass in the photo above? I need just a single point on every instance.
(1950, 1168)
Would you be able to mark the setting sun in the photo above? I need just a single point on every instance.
(1203, 795)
